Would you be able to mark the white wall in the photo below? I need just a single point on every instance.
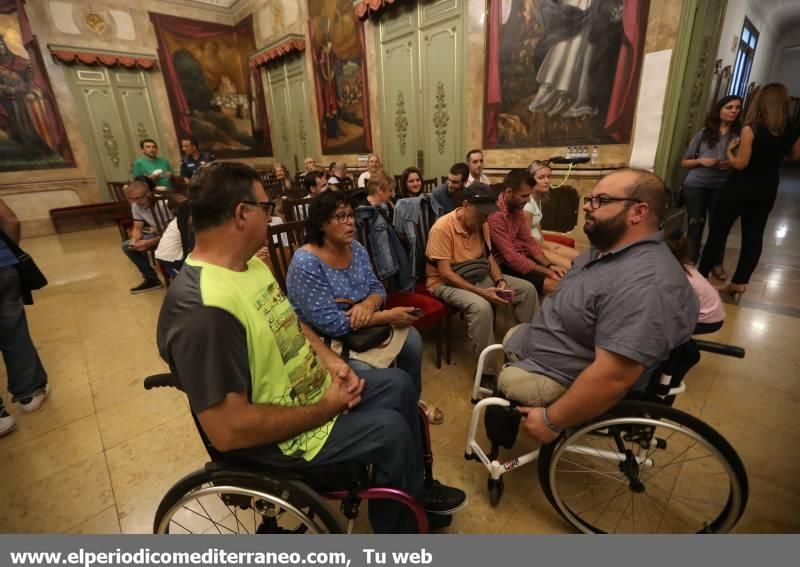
(789, 70)
(768, 49)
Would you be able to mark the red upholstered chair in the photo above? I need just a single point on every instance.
(559, 239)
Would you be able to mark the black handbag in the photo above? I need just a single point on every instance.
(364, 339)
(31, 277)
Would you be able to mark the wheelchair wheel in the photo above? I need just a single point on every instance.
(239, 502)
(644, 468)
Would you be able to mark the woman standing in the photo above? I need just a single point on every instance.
(411, 182)
(709, 170)
(557, 254)
(767, 137)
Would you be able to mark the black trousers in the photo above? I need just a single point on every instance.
(752, 204)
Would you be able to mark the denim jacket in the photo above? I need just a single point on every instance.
(415, 225)
(387, 251)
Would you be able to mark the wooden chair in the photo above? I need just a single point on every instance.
(444, 179)
(123, 219)
(162, 215)
(296, 209)
(429, 185)
(280, 255)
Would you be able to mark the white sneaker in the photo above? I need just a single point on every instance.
(34, 402)
(7, 423)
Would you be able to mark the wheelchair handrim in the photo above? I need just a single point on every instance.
(239, 491)
(734, 494)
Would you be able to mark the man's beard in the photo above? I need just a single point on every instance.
(605, 234)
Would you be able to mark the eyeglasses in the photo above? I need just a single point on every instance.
(342, 218)
(267, 206)
(597, 202)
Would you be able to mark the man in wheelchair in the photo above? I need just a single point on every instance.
(263, 389)
(617, 314)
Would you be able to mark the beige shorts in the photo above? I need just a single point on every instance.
(527, 388)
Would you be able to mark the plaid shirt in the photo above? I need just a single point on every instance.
(511, 239)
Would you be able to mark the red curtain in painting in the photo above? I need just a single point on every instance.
(365, 90)
(184, 28)
(621, 108)
(45, 116)
(494, 95)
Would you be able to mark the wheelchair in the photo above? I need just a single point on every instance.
(233, 496)
(642, 467)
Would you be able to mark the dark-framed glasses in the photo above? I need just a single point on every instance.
(597, 202)
(342, 218)
(267, 206)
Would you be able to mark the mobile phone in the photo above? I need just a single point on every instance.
(506, 294)
(416, 312)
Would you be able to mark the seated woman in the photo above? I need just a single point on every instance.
(282, 175)
(332, 287)
(558, 254)
(712, 313)
(411, 182)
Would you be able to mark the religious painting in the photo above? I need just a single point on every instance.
(32, 135)
(562, 73)
(212, 90)
(337, 48)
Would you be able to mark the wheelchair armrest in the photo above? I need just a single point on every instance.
(719, 348)
(160, 381)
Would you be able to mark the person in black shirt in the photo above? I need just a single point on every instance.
(192, 157)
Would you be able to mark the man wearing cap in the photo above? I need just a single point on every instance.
(462, 272)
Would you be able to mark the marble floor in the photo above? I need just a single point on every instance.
(101, 452)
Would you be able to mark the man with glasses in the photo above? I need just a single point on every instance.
(263, 386)
(616, 315)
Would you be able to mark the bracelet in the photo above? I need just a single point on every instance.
(498, 280)
(550, 425)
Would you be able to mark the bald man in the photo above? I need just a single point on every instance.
(615, 316)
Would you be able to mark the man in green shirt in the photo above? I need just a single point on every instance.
(265, 387)
(156, 168)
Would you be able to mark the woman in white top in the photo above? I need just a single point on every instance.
(558, 254)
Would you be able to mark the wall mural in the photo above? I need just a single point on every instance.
(337, 47)
(560, 73)
(32, 135)
(213, 92)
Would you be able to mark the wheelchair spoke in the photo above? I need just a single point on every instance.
(606, 474)
(208, 515)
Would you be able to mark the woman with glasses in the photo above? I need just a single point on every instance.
(709, 170)
(332, 287)
(557, 254)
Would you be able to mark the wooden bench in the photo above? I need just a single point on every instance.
(100, 213)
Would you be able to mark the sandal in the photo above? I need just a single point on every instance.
(434, 414)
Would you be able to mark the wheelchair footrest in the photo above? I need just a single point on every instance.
(502, 425)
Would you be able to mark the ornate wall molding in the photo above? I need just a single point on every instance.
(286, 45)
(440, 118)
(401, 122)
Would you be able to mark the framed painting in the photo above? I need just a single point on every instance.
(562, 73)
(212, 91)
(340, 75)
(32, 134)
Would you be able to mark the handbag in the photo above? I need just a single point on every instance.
(364, 339)
(472, 270)
(30, 276)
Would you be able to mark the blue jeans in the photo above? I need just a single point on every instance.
(26, 375)
(382, 431)
(409, 360)
(700, 203)
(140, 259)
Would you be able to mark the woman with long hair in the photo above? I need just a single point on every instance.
(282, 175)
(709, 169)
(557, 254)
(767, 138)
(411, 182)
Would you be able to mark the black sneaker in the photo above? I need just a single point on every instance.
(441, 499)
(146, 285)
(439, 521)
(489, 381)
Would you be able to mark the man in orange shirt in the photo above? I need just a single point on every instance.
(462, 272)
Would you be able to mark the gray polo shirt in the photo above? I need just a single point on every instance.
(635, 301)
